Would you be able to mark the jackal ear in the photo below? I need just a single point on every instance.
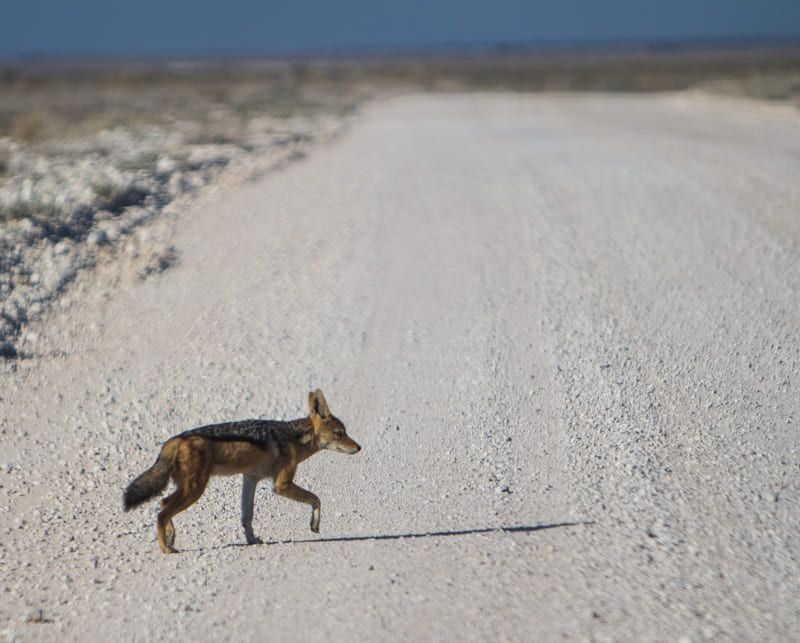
(317, 404)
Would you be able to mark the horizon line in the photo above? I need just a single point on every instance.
(655, 45)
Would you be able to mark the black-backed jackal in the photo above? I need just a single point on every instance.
(255, 448)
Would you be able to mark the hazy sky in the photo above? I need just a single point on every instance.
(252, 26)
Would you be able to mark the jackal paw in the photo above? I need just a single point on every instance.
(315, 521)
(169, 549)
(252, 539)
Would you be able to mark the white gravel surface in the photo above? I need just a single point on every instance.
(564, 329)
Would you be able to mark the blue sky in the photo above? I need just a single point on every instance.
(251, 26)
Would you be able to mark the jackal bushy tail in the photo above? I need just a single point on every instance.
(151, 482)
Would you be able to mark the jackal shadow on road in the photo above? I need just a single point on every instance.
(524, 529)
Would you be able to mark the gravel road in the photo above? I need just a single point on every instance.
(564, 329)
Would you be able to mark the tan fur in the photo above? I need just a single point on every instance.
(193, 459)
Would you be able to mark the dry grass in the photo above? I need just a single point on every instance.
(40, 102)
(44, 103)
(116, 198)
(29, 127)
(28, 209)
(772, 87)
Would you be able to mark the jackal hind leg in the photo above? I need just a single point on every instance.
(179, 501)
(169, 528)
(192, 471)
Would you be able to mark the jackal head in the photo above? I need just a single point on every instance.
(329, 431)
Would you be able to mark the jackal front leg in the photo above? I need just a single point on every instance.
(248, 496)
(288, 489)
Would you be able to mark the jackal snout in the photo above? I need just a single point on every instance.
(330, 431)
(344, 444)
